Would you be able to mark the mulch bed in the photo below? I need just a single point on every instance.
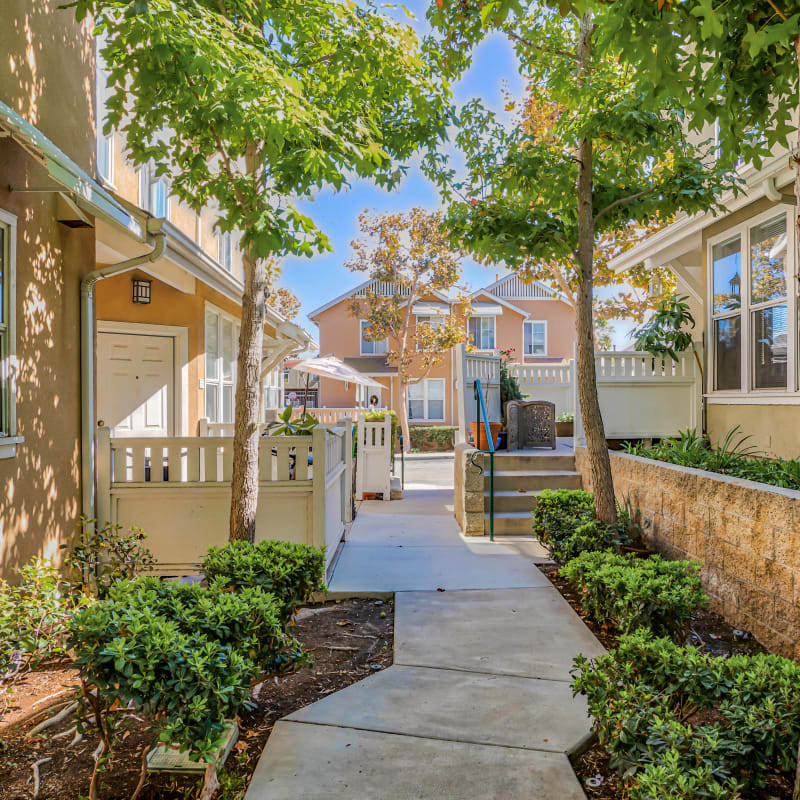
(708, 632)
(349, 639)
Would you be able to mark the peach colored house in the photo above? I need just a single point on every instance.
(119, 306)
(508, 314)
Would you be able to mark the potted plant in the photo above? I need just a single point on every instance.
(480, 441)
(565, 424)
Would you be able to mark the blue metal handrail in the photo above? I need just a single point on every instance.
(480, 412)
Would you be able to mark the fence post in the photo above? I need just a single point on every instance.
(203, 421)
(318, 437)
(347, 422)
(360, 456)
(461, 387)
(103, 475)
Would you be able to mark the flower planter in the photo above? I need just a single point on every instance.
(482, 442)
(564, 428)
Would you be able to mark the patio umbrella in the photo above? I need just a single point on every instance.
(332, 367)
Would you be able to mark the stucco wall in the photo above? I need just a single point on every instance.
(47, 76)
(746, 534)
(168, 306)
(773, 429)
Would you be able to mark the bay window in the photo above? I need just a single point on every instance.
(482, 332)
(153, 192)
(426, 400)
(534, 338)
(429, 320)
(751, 325)
(370, 348)
(222, 345)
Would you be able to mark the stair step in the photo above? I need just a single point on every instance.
(517, 522)
(526, 462)
(512, 500)
(533, 480)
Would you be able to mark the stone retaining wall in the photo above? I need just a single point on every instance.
(747, 535)
(468, 496)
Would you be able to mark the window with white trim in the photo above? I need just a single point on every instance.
(482, 332)
(426, 400)
(105, 142)
(8, 393)
(750, 306)
(222, 345)
(534, 338)
(368, 347)
(431, 320)
(225, 251)
(153, 191)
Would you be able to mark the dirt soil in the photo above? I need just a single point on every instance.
(350, 640)
(709, 632)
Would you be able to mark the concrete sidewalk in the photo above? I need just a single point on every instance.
(477, 704)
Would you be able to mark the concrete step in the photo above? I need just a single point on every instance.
(510, 522)
(515, 500)
(533, 480)
(526, 461)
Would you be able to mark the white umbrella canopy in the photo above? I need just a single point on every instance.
(332, 367)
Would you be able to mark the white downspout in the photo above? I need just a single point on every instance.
(88, 455)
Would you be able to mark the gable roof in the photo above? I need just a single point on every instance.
(359, 291)
(512, 285)
(499, 301)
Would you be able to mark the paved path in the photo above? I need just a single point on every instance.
(477, 704)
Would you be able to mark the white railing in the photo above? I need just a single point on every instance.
(640, 396)
(644, 397)
(178, 490)
(329, 416)
(469, 368)
(374, 457)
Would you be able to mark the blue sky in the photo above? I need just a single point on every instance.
(318, 280)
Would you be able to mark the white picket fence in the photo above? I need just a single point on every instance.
(640, 396)
(178, 490)
(374, 457)
(329, 416)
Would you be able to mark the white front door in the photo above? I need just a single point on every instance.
(135, 383)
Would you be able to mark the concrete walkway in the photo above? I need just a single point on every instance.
(477, 704)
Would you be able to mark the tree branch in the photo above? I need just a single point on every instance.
(777, 10)
(623, 200)
(553, 51)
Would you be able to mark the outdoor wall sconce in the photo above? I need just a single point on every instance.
(141, 291)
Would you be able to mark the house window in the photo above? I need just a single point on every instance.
(8, 393)
(750, 317)
(481, 332)
(222, 344)
(370, 348)
(426, 400)
(224, 251)
(535, 338)
(726, 269)
(153, 192)
(105, 142)
(430, 321)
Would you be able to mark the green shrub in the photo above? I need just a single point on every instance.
(184, 655)
(671, 780)
(104, 554)
(563, 521)
(635, 592)
(657, 703)
(731, 455)
(33, 617)
(291, 572)
(440, 437)
(566, 416)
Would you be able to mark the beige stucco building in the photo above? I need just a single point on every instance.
(740, 271)
(529, 319)
(120, 306)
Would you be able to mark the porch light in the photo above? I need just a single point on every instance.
(141, 291)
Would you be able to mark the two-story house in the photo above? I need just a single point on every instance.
(529, 319)
(119, 306)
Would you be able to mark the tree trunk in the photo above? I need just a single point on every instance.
(402, 411)
(244, 478)
(602, 481)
